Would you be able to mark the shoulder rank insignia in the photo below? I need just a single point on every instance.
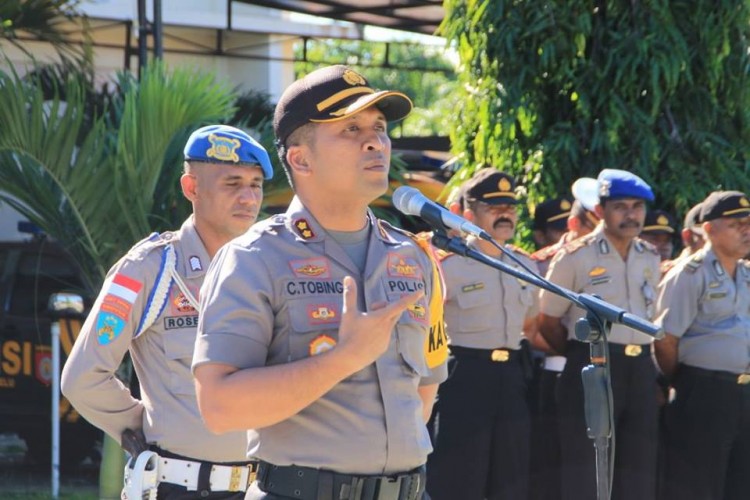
(665, 266)
(518, 249)
(303, 228)
(695, 262)
(579, 243)
(545, 253)
(641, 245)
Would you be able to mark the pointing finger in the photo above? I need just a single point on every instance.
(350, 295)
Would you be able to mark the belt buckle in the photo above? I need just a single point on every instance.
(235, 476)
(252, 473)
(743, 378)
(500, 355)
(633, 350)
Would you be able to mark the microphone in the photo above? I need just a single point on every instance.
(411, 201)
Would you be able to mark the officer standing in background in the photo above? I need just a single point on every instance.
(550, 221)
(613, 263)
(148, 306)
(580, 222)
(691, 235)
(482, 429)
(321, 328)
(545, 441)
(704, 308)
(659, 230)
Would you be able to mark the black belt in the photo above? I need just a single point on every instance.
(627, 350)
(502, 355)
(739, 379)
(307, 483)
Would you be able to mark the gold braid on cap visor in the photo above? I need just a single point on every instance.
(340, 96)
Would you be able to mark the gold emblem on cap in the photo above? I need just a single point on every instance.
(223, 148)
(744, 202)
(353, 78)
(504, 184)
(662, 220)
(565, 205)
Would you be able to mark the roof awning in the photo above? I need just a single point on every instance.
(419, 16)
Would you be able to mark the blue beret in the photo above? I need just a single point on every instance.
(225, 144)
(614, 183)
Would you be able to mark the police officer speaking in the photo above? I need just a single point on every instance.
(148, 306)
(615, 264)
(704, 308)
(482, 425)
(321, 328)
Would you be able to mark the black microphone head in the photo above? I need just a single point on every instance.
(406, 200)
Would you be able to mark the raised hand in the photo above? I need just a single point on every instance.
(366, 335)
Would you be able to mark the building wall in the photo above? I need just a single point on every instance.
(259, 48)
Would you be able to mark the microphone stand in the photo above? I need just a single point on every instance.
(592, 329)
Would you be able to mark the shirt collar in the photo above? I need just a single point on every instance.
(301, 222)
(191, 253)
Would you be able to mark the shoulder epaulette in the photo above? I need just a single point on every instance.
(151, 242)
(579, 243)
(545, 253)
(666, 265)
(518, 249)
(650, 247)
(695, 261)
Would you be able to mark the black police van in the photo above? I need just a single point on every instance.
(29, 273)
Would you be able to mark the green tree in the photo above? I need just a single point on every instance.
(95, 186)
(422, 72)
(560, 89)
(43, 20)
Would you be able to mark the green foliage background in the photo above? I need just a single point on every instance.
(559, 89)
(422, 72)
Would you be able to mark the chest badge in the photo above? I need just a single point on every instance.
(472, 287)
(322, 313)
(321, 344)
(310, 268)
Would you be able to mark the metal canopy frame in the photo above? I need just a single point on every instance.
(418, 16)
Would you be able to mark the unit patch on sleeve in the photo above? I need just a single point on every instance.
(114, 311)
(108, 327)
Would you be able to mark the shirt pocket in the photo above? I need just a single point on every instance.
(474, 312)
(411, 338)
(314, 326)
(178, 349)
(717, 303)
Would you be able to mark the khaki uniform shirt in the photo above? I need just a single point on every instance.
(708, 311)
(544, 256)
(485, 308)
(274, 296)
(592, 265)
(168, 411)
